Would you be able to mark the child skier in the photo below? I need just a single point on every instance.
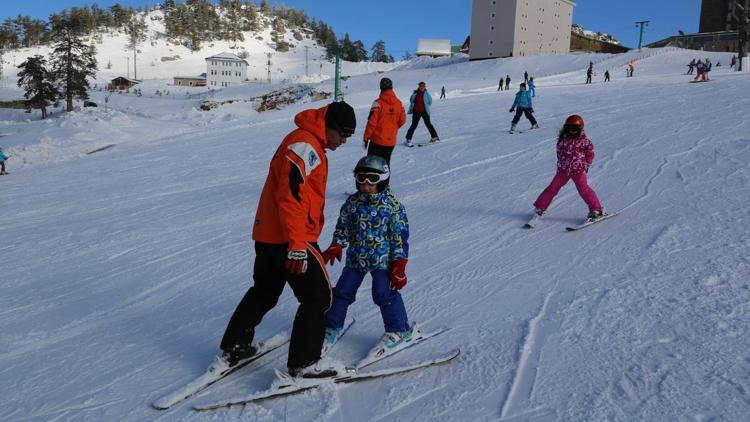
(575, 153)
(374, 227)
(532, 87)
(3, 157)
(523, 104)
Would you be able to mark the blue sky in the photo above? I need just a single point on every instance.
(401, 22)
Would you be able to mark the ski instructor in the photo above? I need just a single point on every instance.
(288, 221)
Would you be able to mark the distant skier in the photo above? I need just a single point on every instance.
(701, 72)
(500, 84)
(373, 227)
(419, 108)
(522, 105)
(532, 87)
(575, 153)
(442, 92)
(631, 68)
(526, 77)
(589, 72)
(507, 82)
(287, 224)
(606, 76)
(733, 63)
(385, 119)
(691, 66)
(3, 159)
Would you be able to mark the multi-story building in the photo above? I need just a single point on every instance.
(720, 15)
(225, 69)
(503, 28)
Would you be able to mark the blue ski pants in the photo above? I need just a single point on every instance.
(391, 305)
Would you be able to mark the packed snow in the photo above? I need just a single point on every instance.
(120, 268)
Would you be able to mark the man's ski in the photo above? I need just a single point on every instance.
(424, 144)
(327, 348)
(295, 386)
(533, 221)
(588, 223)
(381, 352)
(210, 377)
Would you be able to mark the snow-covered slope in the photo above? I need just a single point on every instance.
(120, 269)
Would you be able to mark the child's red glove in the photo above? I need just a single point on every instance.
(333, 252)
(397, 274)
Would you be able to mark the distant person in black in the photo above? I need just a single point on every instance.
(590, 72)
(526, 77)
(606, 76)
(507, 82)
(500, 85)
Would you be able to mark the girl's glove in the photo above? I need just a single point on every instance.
(397, 274)
(333, 252)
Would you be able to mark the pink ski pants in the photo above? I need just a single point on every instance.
(560, 179)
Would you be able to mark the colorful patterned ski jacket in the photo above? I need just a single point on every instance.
(574, 155)
(375, 229)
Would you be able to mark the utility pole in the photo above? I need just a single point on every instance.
(128, 59)
(306, 49)
(642, 24)
(742, 33)
(269, 68)
(337, 95)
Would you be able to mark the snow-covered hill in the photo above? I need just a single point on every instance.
(120, 269)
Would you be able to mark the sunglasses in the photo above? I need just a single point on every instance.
(370, 178)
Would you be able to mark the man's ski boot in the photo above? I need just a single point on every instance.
(434, 139)
(535, 126)
(229, 359)
(409, 143)
(512, 129)
(323, 368)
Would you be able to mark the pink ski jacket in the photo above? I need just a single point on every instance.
(574, 155)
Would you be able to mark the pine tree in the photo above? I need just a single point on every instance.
(37, 83)
(378, 53)
(265, 7)
(347, 49)
(135, 28)
(360, 52)
(72, 61)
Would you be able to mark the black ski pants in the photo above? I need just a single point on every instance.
(380, 151)
(527, 112)
(415, 121)
(312, 289)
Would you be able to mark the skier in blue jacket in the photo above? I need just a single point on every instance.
(3, 158)
(522, 105)
(373, 226)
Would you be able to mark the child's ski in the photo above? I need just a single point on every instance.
(588, 223)
(208, 378)
(381, 352)
(294, 386)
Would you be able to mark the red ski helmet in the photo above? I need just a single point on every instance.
(574, 120)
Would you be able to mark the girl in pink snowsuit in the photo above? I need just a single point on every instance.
(575, 153)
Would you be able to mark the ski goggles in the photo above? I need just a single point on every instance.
(370, 178)
(572, 129)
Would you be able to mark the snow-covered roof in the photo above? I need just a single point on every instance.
(190, 77)
(433, 47)
(226, 56)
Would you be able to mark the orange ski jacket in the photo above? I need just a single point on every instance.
(386, 117)
(290, 209)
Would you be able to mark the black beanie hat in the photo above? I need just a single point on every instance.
(386, 83)
(340, 116)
